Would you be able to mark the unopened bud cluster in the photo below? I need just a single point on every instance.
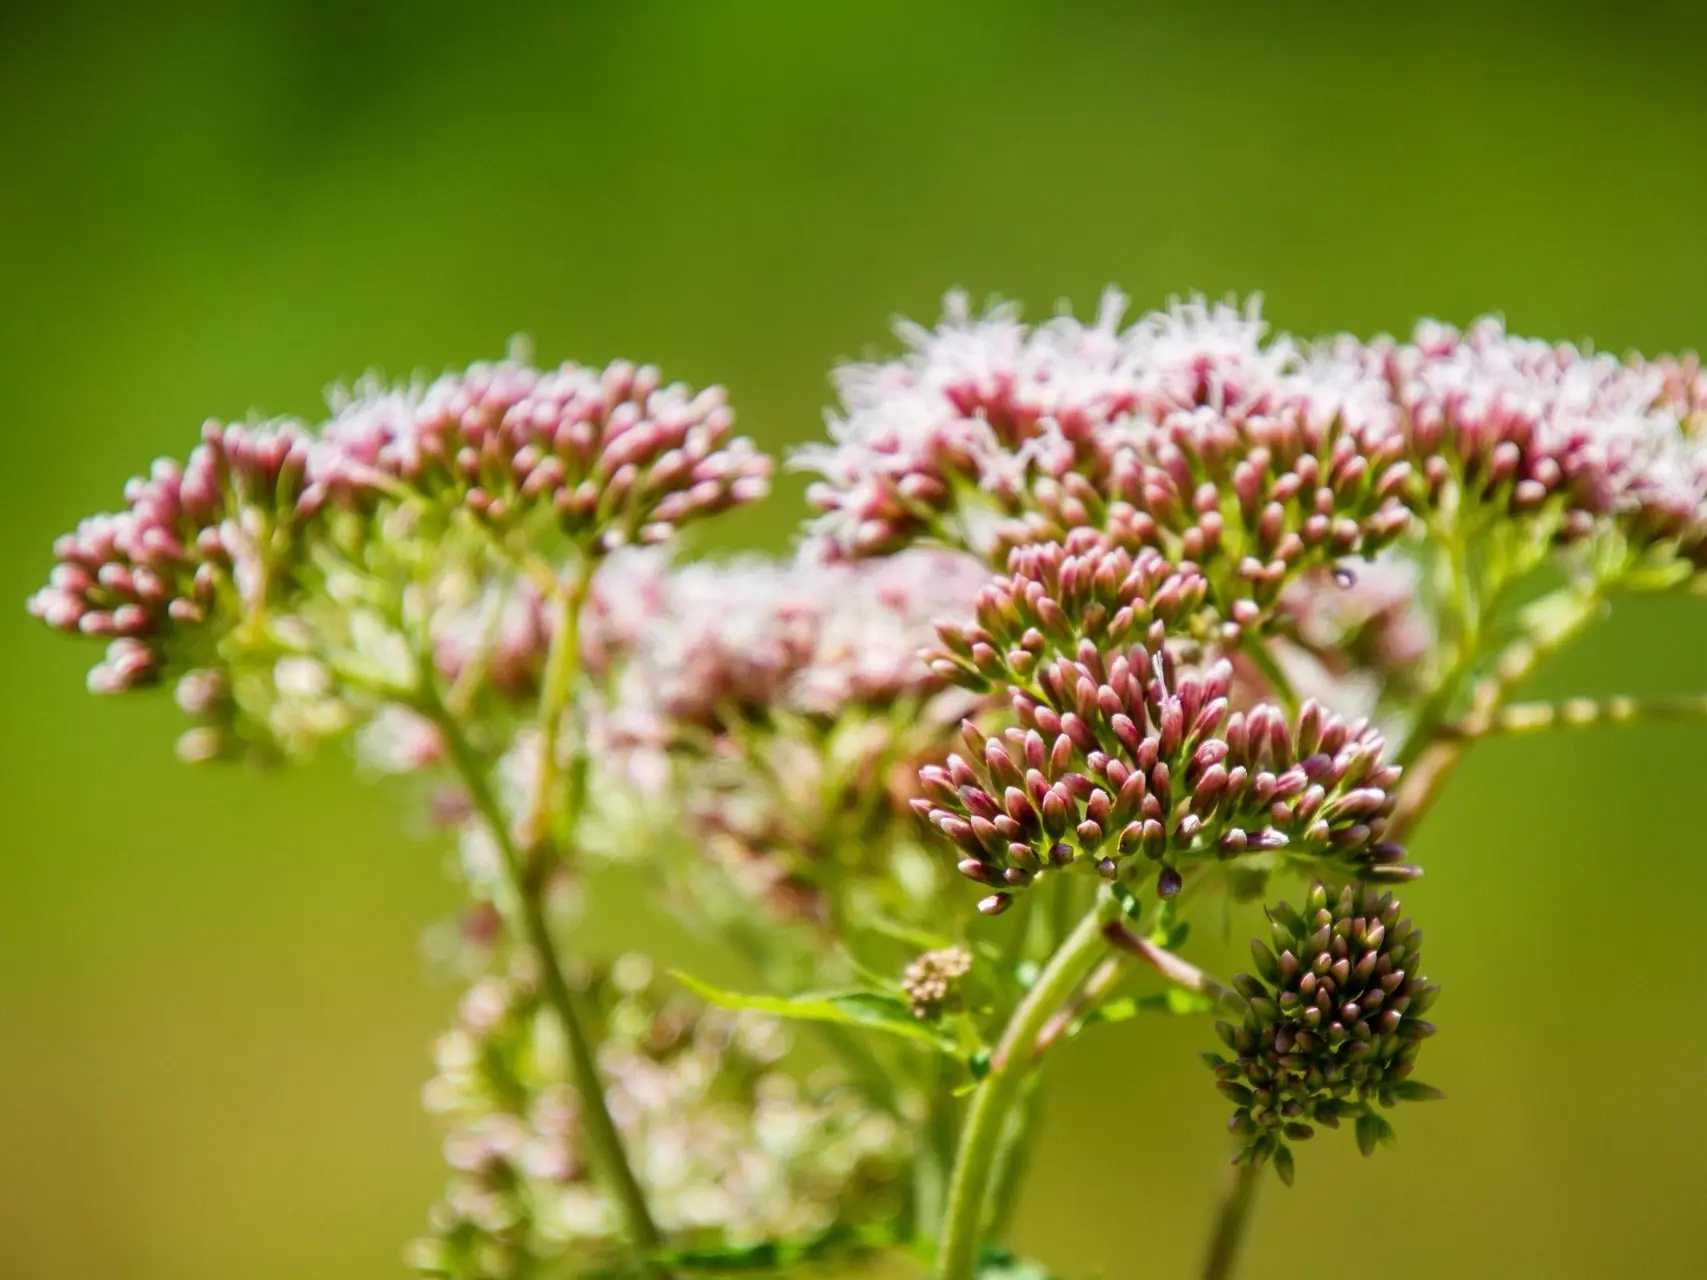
(1333, 1023)
(1123, 763)
(197, 549)
(254, 527)
(611, 456)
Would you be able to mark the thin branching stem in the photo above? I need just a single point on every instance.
(1431, 755)
(604, 1144)
(1182, 973)
(1578, 713)
(562, 666)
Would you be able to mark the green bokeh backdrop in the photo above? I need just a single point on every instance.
(213, 1019)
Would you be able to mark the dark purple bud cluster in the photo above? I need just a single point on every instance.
(1332, 1026)
(1116, 757)
(1057, 596)
(196, 549)
(613, 456)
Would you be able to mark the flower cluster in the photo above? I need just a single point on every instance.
(1332, 1025)
(755, 637)
(1056, 597)
(1190, 433)
(198, 549)
(932, 983)
(731, 1150)
(252, 528)
(1184, 432)
(1119, 757)
(790, 704)
(610, 456)
(1519, 424)
(1115, 752)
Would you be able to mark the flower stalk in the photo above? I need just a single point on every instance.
(1232, 1219)
(974, 1166)
(527, 908)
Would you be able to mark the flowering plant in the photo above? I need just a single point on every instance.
(1115, 623)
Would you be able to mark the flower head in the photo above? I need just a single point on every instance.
(197, 549)
(1332, 1025)
(932, 982)
(1185, 432)
(610, 457)
(1120, 755)
(756, 637)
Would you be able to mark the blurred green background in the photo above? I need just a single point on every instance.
(213, 1019)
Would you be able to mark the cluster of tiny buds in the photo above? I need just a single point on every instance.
(932, 982)
(1188, 432)
(614, 455)
(191, 540)
(1333, 1023)
(609, 458)
(1058, 595)
(1266, 494)
(1121, 756)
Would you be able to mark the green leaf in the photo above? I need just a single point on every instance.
(875, 1009)
(999, 1264)
(1415, 1091)
(1128, 900)
(1372, 1130)
(1283, 1163)
(1121, 1010)
(1179, 1001)
(1169, 931)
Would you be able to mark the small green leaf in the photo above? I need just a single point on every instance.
(999, 1264)
(1415, 1091)
(874, 1009)
(1121, 1010)
(1179, 1001)
(1283, 1163)
(1128, 900)
(1168, 930)
(1372, 1130)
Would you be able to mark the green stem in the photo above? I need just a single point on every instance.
(1431, 754)
(562, 665)
(1014, 1155)
(1231, 1221)
(963, 1223)
(1182, 973)
(1578, 713)
(937, 1159)
(598, 1131)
